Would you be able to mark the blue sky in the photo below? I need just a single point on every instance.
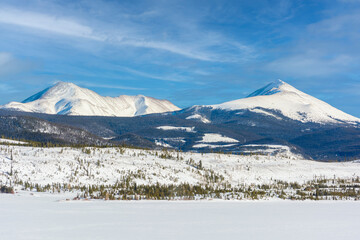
(189, 52)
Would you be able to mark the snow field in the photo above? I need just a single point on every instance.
(3, 140)
(199, 117)
(172, 128)
(107, 165)
(215, 137)
(43, 216)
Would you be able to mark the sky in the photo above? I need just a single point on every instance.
(189, 52)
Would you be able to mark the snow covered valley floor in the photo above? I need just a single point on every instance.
(67, 193)
(136, 174)
(47, 216)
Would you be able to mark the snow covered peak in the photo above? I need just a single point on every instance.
(69, 99)
(290, 102)
(273, 88)
(63, 89)
(64, 85)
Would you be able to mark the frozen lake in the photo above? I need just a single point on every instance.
(43, 216)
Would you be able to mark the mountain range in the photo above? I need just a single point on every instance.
(69, 99)
(274, 119)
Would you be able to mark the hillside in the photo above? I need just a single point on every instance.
(125, 173)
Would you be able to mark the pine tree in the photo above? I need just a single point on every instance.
(11, 165)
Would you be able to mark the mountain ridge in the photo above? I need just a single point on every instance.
(66, 98)
(278, 100)
(290, 102)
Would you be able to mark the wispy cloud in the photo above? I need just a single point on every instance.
(5, 58)
(210, 48)
(310, 65)
(171, 78)
(110, 86)
(337, 27)
(276, 12)
(11, 65)
(48, 23)
(323, 48)
(170, 47)
(6, 88)
(349, 1)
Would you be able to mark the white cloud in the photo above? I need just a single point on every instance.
(65, 26)
(171, 47)
(173, 78)
(309, 65)
(112, 86)
(47, 23)
(337, 26)
(349, 1)
(327, 47)
(5, 58)
(209, 47)
(11, 65)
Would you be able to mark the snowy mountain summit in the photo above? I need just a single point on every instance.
(290, 102)
(69, 99)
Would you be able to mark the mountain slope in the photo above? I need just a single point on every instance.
(280, 97)
(69, 99)
(35, 129)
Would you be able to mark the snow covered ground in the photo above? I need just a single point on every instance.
(52, 215)
(209, 139)
(46, 216)
(204, 145)
(2, 140)
(214, 138)
(199, 117)
(172, 128)
(107, 165)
